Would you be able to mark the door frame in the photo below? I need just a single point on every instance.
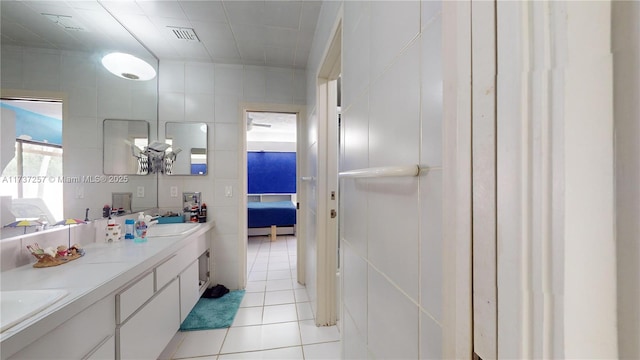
(327, 229)
(300, 111)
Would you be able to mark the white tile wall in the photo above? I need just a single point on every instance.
(431, 243)
(354, 290)
(393, 26)
(390, 309)
(356, 33)
(391, 228)
(195, 91)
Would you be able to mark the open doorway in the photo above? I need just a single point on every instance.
(271, 174)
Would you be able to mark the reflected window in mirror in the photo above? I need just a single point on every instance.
(188, 142)
(31, 184)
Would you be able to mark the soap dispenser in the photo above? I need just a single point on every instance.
(141, 229)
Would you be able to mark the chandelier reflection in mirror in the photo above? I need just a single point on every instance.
(156, 158)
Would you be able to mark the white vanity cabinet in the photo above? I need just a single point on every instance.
(87, 334)
(151, 308)
(131, 311)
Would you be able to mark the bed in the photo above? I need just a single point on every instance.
(271, 215)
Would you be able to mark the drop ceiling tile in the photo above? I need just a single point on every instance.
(280, 37)
(122, 7)
(309, 16)
(284, 14)
(164, 8)
(213, 31)
(86, 5)
(210, 11)
(149, 35)
(162, 22)
(248, 34)
(218, 40)
(253, 54)
(245, 12)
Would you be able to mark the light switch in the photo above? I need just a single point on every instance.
(80, 192)
(174, 191)
(228, 191)
(140, 191)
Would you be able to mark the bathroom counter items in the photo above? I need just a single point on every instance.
(51, 257)
(88, 280)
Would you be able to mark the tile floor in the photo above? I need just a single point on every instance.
(275, 319)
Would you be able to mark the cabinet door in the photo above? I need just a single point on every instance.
(146, 333)
(77, 337)
(189, 289)
(130, 299)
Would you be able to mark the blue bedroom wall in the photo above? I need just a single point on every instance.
(271, 172)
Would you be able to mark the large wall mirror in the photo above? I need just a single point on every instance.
(189, 140)
(45, 59)
(121, 139)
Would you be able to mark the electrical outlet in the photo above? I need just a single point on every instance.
(140, 191)
(174, 191)
(228, 191)
(80, 192)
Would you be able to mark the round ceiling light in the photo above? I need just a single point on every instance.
(128, 66)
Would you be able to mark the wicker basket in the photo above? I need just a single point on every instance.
(46, 260)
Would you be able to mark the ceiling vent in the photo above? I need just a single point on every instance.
(66, 22)
(186, 34)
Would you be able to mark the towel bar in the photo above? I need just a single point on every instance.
(384, 171)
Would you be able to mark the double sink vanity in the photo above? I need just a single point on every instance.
(121, 300)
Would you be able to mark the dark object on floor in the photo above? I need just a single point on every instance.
(215, 292)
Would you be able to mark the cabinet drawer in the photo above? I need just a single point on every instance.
(167, 271)
(145, 334)
(77, 337)
(130, 299)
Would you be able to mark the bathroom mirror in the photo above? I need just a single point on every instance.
(121, 138)
(43, 59)
(189, 140)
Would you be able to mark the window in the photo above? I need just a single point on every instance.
(33, 177)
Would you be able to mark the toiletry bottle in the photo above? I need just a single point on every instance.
(141, 229)
(129, 229)
(203, 213)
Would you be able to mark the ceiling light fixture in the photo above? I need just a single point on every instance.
(128, 66)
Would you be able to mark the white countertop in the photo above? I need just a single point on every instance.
(103, 269)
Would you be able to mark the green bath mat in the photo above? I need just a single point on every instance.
(213, 313)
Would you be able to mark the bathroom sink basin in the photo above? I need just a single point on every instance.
(171, 229)
(18, 305)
